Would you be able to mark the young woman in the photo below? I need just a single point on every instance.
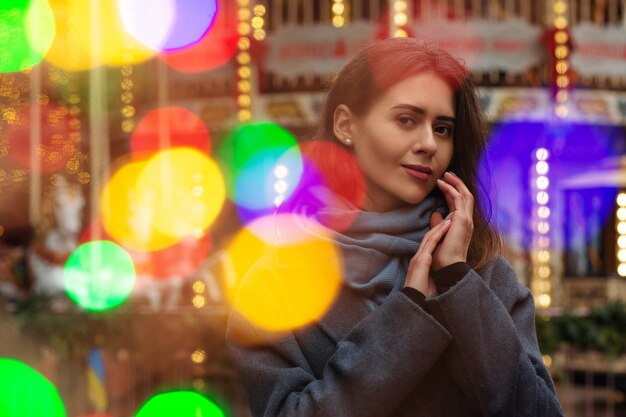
(431, 321)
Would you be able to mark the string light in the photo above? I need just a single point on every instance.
(542, 270)
(258, 22)
(340, 13)
(561, 53)
(127, 109)
(251, 23)
(400, 18)
(620, 219)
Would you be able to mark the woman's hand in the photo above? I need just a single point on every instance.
(460, 201)
(418, 275)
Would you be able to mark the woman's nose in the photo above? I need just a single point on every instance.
(425, 142)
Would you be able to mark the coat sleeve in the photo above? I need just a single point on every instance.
(495, 356)
(383, 356)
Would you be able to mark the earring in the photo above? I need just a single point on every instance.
(348, 141)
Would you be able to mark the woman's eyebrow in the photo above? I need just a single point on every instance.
(421, 111)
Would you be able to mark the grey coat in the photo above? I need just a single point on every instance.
(476, 355)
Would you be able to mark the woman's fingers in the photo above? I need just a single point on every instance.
(418, 275)
(433, 237)
(459, 192)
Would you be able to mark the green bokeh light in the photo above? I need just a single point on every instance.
(179, 404)
(99, 275)
(26, 393)
(245, 143)
(26, 33)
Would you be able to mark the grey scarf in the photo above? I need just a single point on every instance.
(376, 248)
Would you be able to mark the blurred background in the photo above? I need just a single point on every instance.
(146, 147)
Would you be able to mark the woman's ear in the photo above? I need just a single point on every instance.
(343, 124)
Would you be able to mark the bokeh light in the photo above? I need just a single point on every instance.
(128, 211)
(149, 21)
(87, 38)
(268, 178)
(99, 275)
(188, 191)
(305, 200)
(179, 404)
(279, 287)
(253, 152)
(26, 393)
(169, 127)
(193, 20)
(55, 148)
(215, 48)
(26, 32)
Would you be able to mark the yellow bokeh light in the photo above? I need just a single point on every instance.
(338, 8)
(547, 360)
(543, 256)
(400, 33)
(621, 270)
(621, 228)
(282, 287)
(560, 7)
(621, 255)
(621, 242)
(257, 22)
(338, 21)
(543, 227)
(199, 287)
(259, 10)
(83, 42)
(128, 211)
(543, 272)
(243, 44)
(561, 52)
(544, 300)
(562, 81)
(561, 67)
(400, 6)
(198, 356)
(621, 199)
(198, 301)
(400, 19)
(560, 22)
(621, 213)
(560, 36)
(561, 111)
(243, 58)
(189, 190)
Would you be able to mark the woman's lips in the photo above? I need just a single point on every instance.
(422, 173)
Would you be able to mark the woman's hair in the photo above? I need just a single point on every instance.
(383, 64)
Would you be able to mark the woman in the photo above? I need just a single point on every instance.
(430, 320)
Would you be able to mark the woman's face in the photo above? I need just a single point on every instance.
(404, 142)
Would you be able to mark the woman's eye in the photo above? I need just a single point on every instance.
(443, 130)
(405, 120)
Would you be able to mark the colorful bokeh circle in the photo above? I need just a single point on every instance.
(26, 393)
(99, 275)
(179, 404)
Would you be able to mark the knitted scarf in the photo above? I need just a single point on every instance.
(377, 247)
